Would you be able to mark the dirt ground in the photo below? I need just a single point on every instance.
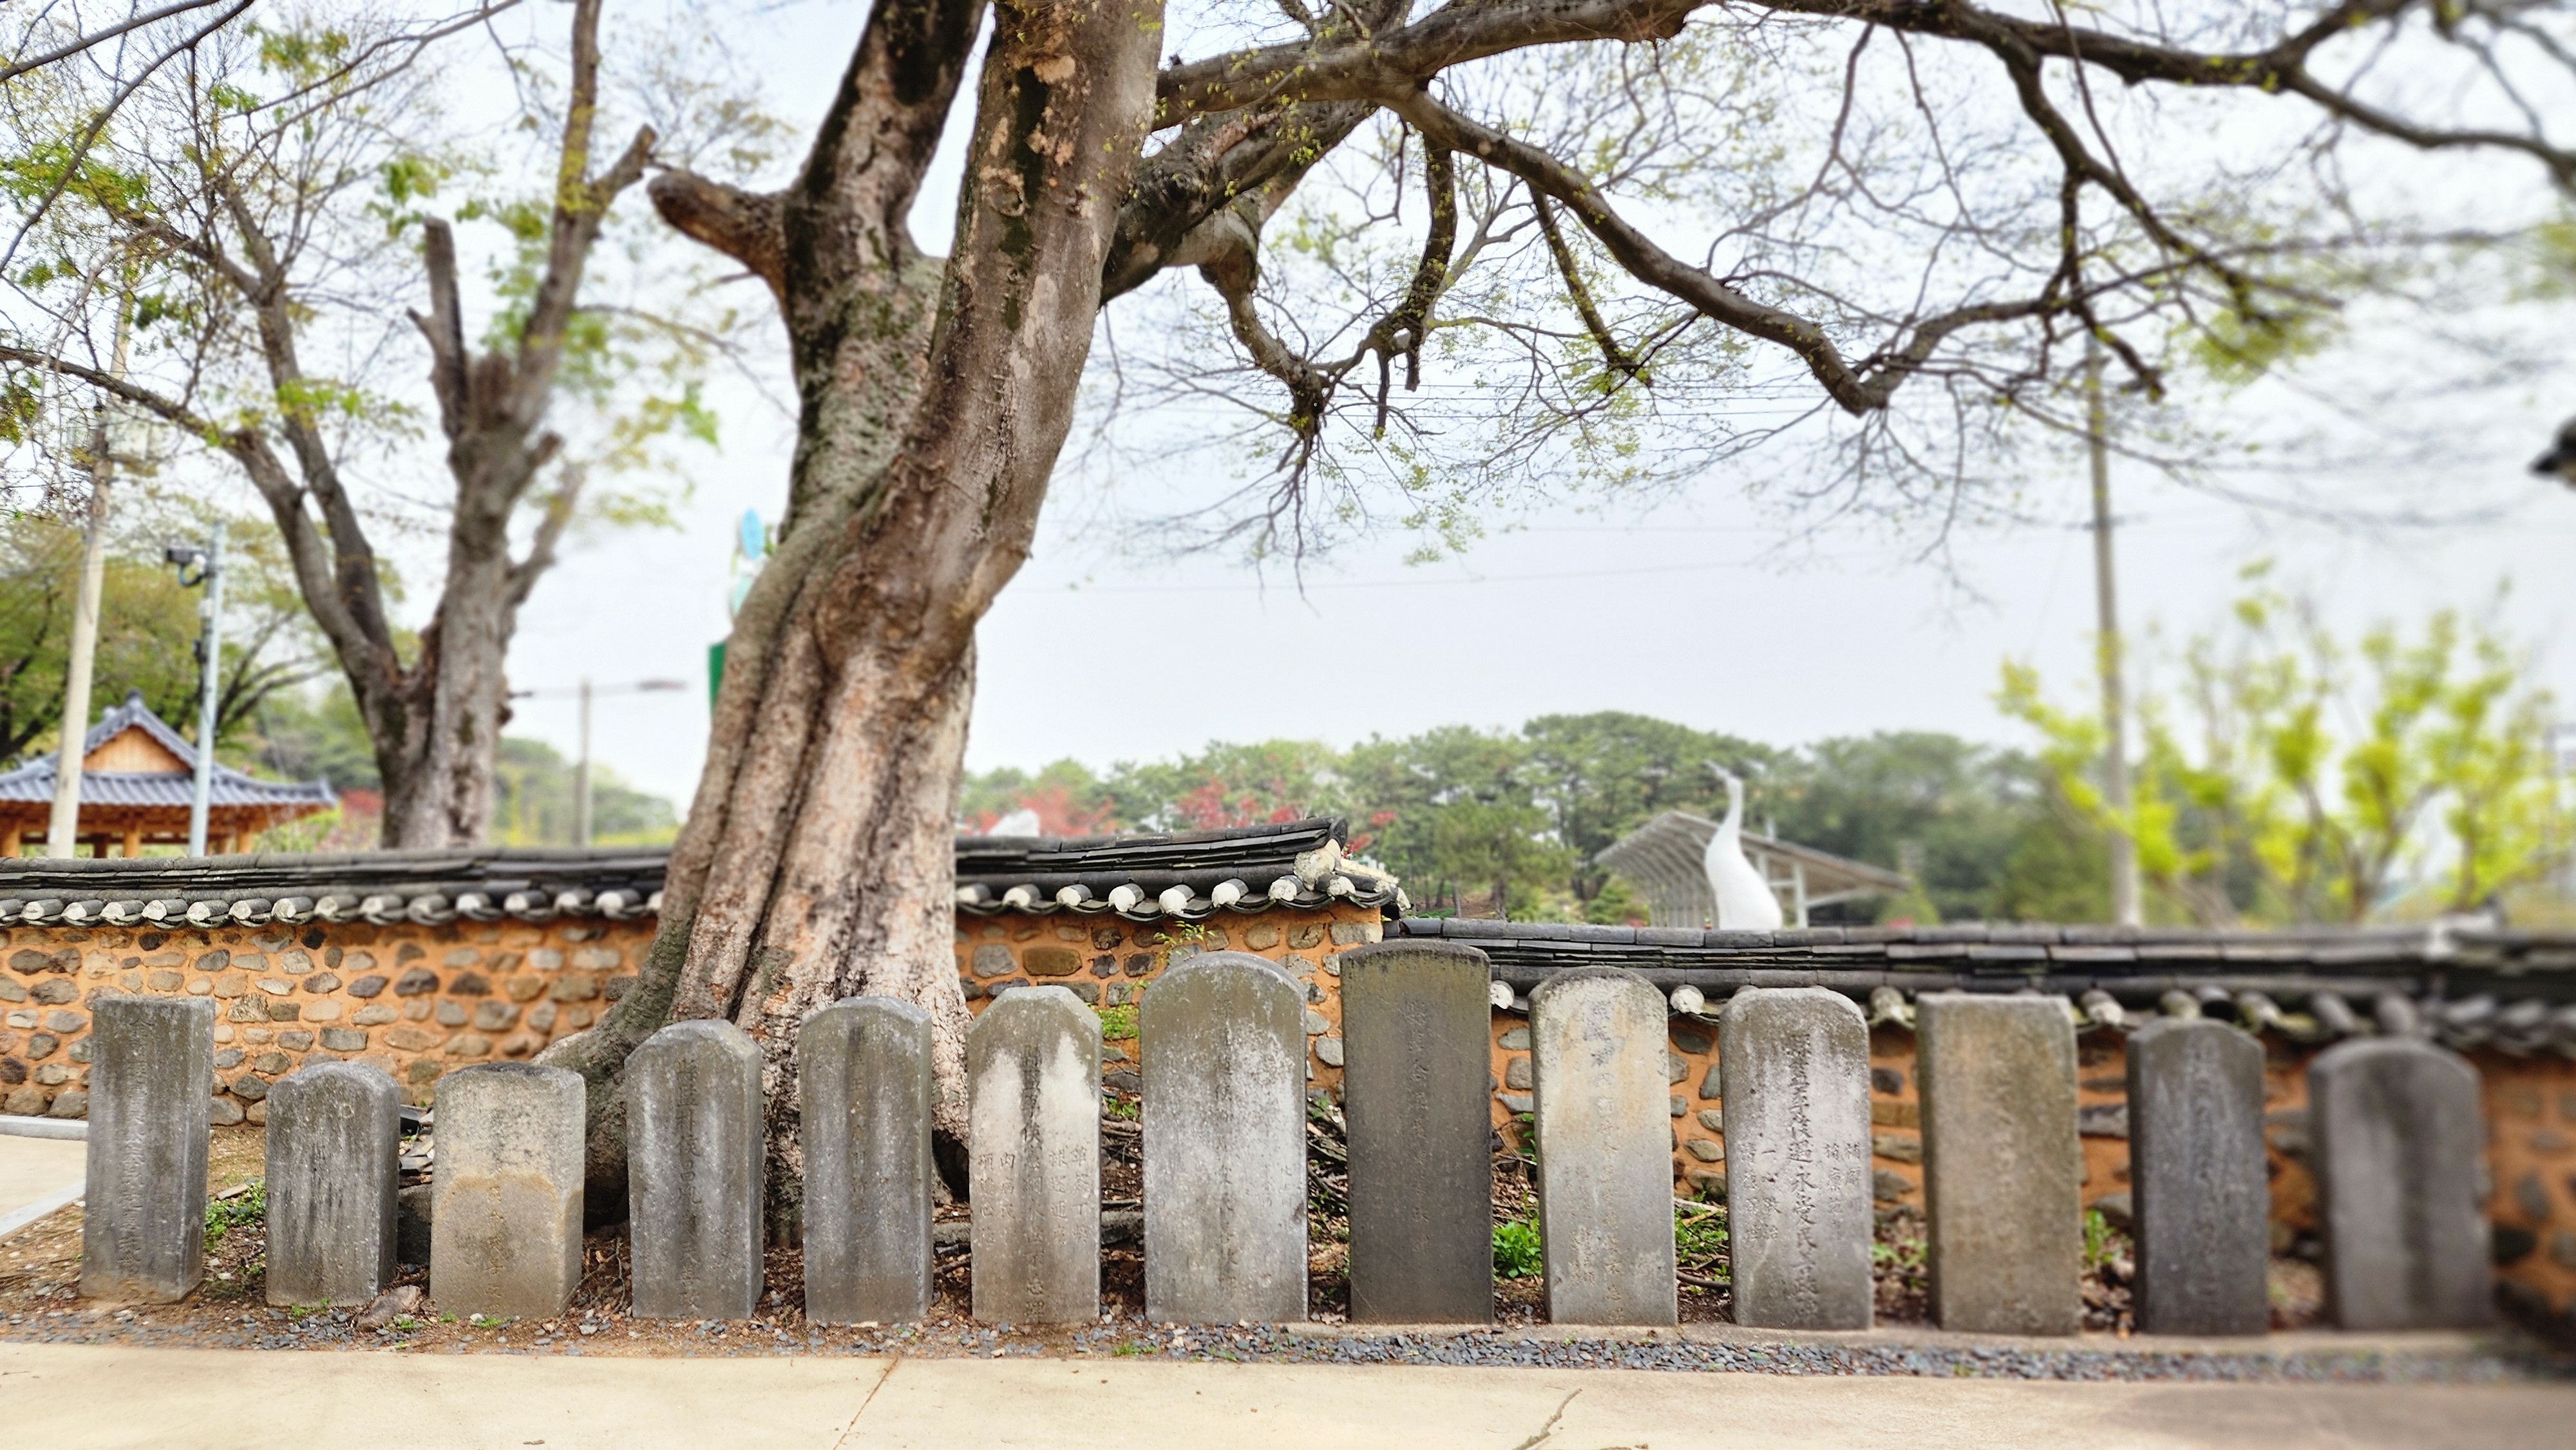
(40, 1268)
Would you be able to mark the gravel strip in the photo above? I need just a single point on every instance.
(267, 1329)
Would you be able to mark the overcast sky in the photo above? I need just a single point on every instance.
(1697, 609)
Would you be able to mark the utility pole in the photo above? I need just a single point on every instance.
(581, 775)
(581, 795)
(210, 655)
(2561, 738)
(2115, 719)
(62, 829)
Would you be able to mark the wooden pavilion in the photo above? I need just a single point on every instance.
(138, 784)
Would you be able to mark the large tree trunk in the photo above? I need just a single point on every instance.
(817, 862)
(437, 725)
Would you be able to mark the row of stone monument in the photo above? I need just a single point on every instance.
(1223, 1048)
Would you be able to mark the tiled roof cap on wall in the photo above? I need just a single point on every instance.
(1189, 875)
(430, 888)
(2468, 985)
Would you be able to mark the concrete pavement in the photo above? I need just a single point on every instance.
(72, 1398)
(37, 1176)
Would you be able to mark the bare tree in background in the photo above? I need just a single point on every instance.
(270, 177)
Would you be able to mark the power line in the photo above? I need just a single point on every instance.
(1423, 583)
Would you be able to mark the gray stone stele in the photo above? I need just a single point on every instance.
(2200, 1189)
(334, 1151)
(143, 1226)
(1416, 1023)
(863, 1073)
(2398, 1133)
(1796, 1065)
(1033, 1083)
(1223, 1037)
(1605, 1166)
(694, 1146)
(505, 1199)
(412, 1207)
(2003, 1169)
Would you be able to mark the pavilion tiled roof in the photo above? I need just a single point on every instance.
(34, 781)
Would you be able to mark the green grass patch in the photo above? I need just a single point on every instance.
(225, 1214)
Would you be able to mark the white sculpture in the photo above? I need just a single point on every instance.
(1744, 899)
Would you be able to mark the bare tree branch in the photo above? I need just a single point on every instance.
(1858, 388)
(747, 226)
(1613, 357)
(15, 69)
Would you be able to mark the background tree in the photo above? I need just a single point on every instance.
(148, 629)
(1068, 799)
(1476, 822)
(2300, 779)
(535, 802)
(308, 734)
(258, 210)
(1227, 785)
(1455, 813)
(1973, 824)
(1602, 775)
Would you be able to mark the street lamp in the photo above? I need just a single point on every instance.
(581, 767)
(209, 564)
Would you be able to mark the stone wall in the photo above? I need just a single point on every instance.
(2530, 1117)
(413, 1000)
(419, 1001)
(1108, 962)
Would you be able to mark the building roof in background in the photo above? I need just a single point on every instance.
(161, 789)
(2470, 985)
(1188, 875)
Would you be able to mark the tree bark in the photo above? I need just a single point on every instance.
(817, 862)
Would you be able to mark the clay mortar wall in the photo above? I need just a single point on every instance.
(1109, 962)
(416, 1001)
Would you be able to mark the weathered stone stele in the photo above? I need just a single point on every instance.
(334, 1149)
(1605, 1174)
(1033, 1079)
(693, 1172)
(1795, 1064)
(2398, 1134)
(505, 1200)
(2003, 1169)
(863, 1077)
(2200, 1192)
(1224, 1043)
(143, 1227)
(1415, 1022)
